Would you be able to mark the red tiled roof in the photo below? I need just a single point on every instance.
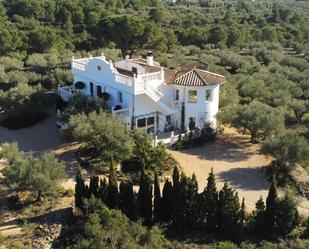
(143, 62)
(125, 72)
(198, 77)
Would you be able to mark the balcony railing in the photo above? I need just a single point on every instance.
(124, 115)
(151, 76)
(78, 65)
(124, 79)
(66, 92)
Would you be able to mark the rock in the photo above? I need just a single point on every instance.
(45, 235)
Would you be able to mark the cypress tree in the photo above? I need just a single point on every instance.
(145, 198)
(259, 216)
(176, 186)
(210, 202)
(157, 206)
(167, 201)
(176, 179)
(80, 189)
(307, 227)
(271, 207)
(242, 214)
(228, 210)
(102, 192)
(112, 189)
(127, 199)
(287, 214)
(181, 203)
(192, 198)
(182, 119)
(94, 185)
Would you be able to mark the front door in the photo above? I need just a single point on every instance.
(91, 89)
(99, 91)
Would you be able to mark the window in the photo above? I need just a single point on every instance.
(191, 123)
(141, 122)
(120, 97)
(208, 95)
(99, 68)
(134, 70)
(150, 121)
(177, 94)
(192, 96)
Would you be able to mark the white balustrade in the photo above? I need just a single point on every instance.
(151, 76)
(124, 79)
(78, 65)
(66, 92)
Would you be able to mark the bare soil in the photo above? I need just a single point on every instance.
(234, 160)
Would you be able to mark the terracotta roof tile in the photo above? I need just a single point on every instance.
(125, 72)
(198, 77)
(169, 76)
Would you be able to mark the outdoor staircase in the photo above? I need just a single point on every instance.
(156, 96)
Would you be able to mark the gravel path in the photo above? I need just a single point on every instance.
(234, 160)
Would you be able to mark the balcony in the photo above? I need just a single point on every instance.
(124, 115)
(66, 92)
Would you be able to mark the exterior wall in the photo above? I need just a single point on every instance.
(102, 73)
(106, 78)
(200, 110)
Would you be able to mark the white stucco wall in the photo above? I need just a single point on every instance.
(144, 104)
(196, 110)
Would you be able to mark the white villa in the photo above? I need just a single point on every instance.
(147, 96)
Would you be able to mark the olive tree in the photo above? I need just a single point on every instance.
(104, 134)
(80, 103)
(259, 119)
(287, 147)
(24, 101)
(39, 175)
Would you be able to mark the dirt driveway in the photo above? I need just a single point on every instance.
(42, 137)
(235, 160)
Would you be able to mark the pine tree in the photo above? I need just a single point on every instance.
(112, 189)
(80, 190)
(271, 207)
(287, 215)
(157, 206)
(228, 210)
(145, 198)
(127, 200)
(167, 201)
(210, 202)
(94, 185)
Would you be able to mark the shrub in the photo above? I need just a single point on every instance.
(79, 85)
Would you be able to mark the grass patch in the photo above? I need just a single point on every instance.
(16, 123)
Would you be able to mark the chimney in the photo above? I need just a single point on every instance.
(150, 58)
